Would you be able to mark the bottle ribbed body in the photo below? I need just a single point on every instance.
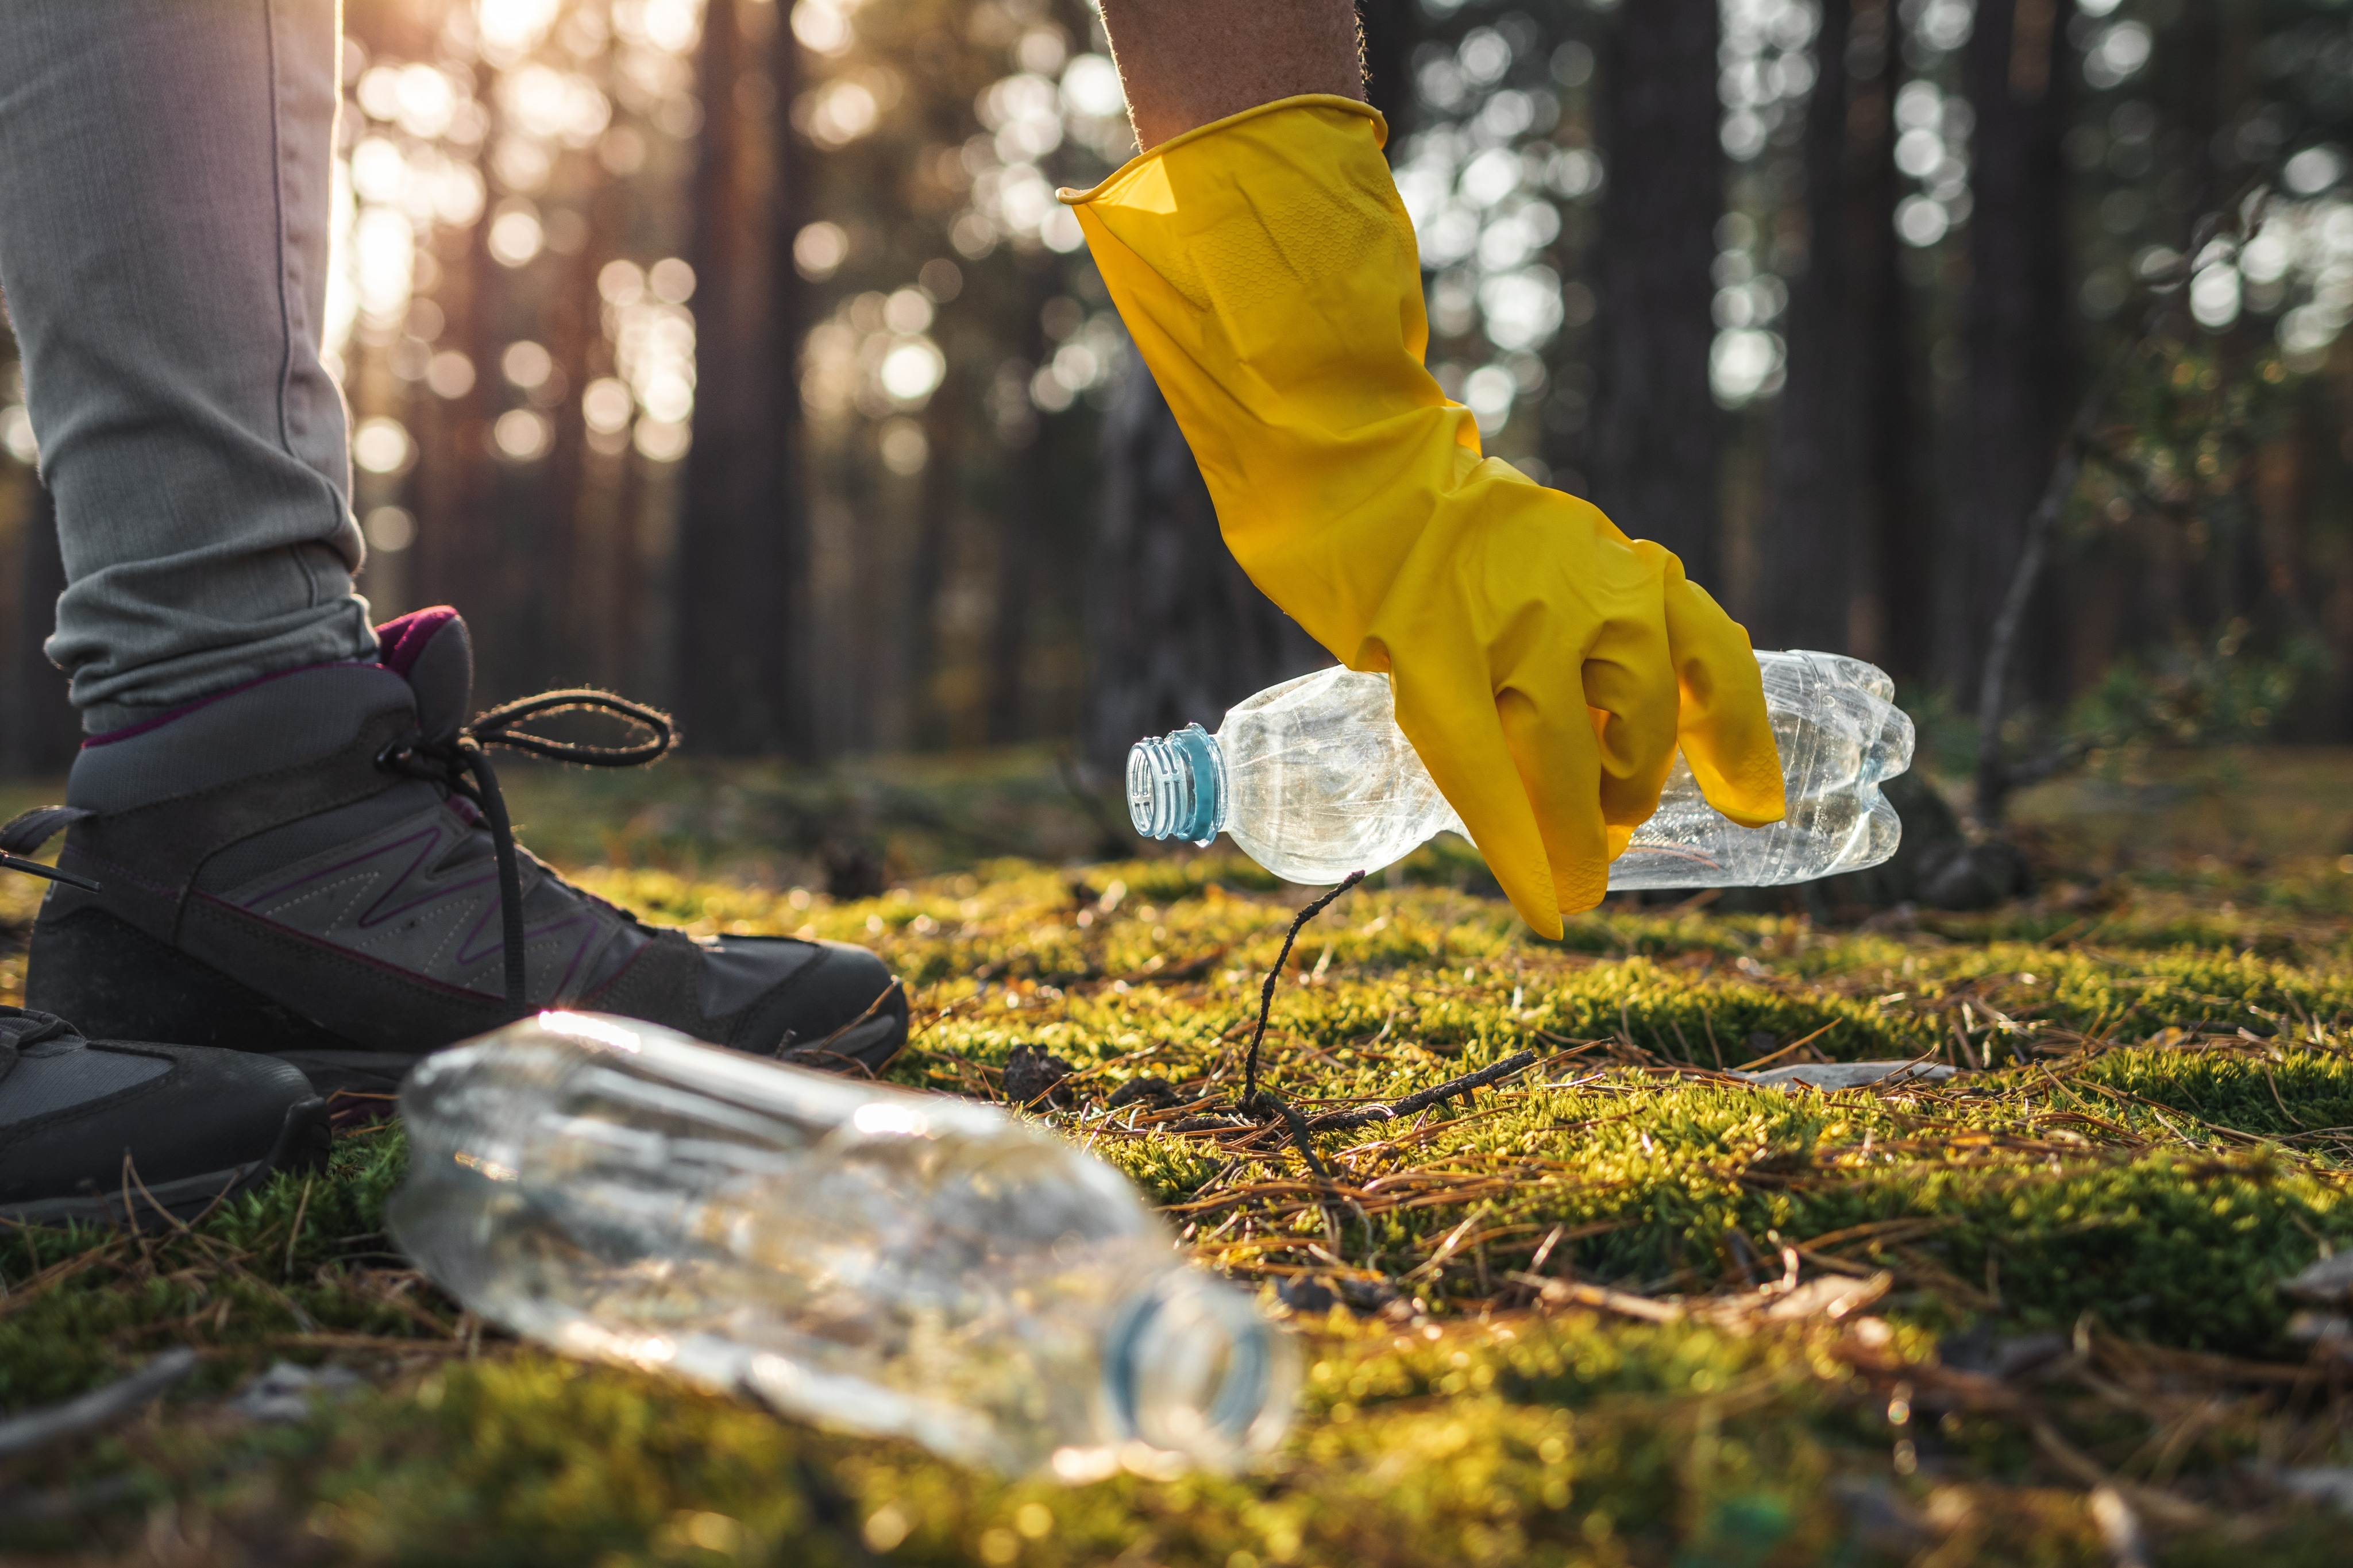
(1313, 779)
(849, 1253)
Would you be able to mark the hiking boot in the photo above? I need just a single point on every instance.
(318, 865)
(113, 1131)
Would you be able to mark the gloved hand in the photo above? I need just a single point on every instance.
(1545, 667)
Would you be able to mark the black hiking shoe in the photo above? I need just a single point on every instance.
(313, 866)
(116, 1132)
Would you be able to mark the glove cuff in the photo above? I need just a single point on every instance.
(1127, 171)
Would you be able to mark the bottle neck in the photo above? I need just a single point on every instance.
(1177, 786)
(1191, 1368)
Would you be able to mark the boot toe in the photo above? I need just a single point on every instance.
(839, 1007)
(182, 1123)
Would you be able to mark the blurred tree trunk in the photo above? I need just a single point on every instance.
(40, 730)
(1808, 540)
(1179, 632)
(581, 631)
(1894, 530)
(1029, 490)
(937, 529)
(1027, 493)
(457, 555)
(740, 523)
(2016, 321)
(1388, 29)
(2190, 99)
(1656, 426)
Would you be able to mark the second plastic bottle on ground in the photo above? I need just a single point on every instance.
(1313, 780)
(867, 1256)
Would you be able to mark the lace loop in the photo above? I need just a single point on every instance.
(498, 728)
(449, 763)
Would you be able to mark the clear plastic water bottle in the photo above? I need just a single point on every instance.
(1313, 780)
(861, 1256)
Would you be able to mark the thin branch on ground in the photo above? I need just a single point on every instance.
(97, 1410)
(1266, 992)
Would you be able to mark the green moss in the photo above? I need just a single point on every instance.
(2148, 1155)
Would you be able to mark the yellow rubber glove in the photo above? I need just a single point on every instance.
(1545, 666)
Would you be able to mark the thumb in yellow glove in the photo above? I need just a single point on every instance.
(1545, 667)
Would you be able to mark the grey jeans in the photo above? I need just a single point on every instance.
(164, 228)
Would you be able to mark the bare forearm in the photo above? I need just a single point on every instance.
(1188, 62)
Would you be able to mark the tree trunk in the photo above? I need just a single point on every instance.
(1894, 530)
(2016, 325)
(739, 522)
(929, 725)
(1179, 632)
(1386, 32)
(458, 553)
(1029, 490)
(1027, 494)
(782, 546)
(1808, 541)
(1655, 432)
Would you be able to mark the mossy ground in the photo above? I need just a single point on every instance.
(2079, 1237)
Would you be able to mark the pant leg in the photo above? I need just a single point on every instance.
(165, 174)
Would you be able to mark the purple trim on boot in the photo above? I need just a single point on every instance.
(401, 642)
(184, 709)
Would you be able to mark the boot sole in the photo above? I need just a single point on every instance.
(304, 1141)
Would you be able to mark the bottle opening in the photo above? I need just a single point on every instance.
(1176, 786)
(1191, 1368)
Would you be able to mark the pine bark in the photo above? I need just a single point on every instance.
(1179, 632)
(740, 539)
(1655, 435)
(1895, 527)
(1808, 544)
(2016, 322)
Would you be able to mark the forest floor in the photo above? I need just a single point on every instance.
(1617, 1307)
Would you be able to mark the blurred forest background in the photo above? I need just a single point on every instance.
(734, 353)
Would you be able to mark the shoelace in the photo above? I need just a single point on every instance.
(34, 868)
(28, 831)
(449, 763)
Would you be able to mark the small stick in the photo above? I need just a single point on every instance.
(1469, 1081)
(871, 1008)
(1785, 1050)
(1299, 1137)
(1422, 1099)
(295, 1233)
(1535, 1264)
(95, 1410)
(1266, 992)
(131, 1171)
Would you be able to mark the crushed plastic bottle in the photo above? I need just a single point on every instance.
(1313, 780)
(861, 1256)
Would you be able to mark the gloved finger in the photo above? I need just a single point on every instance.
(1629, 682)
(1557, 751)
(1724, 729)
(1446, 710)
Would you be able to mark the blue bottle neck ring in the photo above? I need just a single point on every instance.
(1177, 786)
